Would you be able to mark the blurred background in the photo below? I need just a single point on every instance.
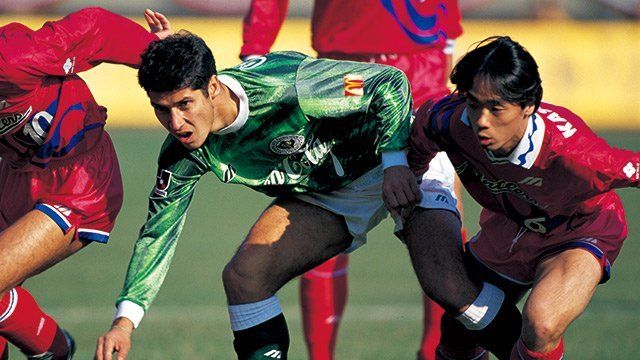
(587, 52)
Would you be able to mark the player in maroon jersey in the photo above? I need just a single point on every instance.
(551, 221)
(415, 37)
(61, 186)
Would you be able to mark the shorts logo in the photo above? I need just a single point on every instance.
(9, 122)
(287, 144)
(252, 63)
(353, 85)
(163, 180)
(69, 65)
(632, 171)
(228, 172)
(63, 210)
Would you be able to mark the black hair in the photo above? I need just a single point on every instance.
(507, 67)
(182, 60)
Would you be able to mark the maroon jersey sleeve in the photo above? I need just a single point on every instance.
(588, 156)
(75, 43)
(423, 147)
(261, 25)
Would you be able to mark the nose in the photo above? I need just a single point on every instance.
(482, 118)
(176, 120)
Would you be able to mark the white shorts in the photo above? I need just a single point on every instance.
(361, 205)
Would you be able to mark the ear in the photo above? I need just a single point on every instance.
(528, 110)
(215, 87)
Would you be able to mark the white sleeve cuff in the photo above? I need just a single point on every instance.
(131, 311)
(394, 158)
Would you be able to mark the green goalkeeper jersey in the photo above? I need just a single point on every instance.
(304, 125)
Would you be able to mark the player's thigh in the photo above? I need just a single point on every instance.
(289, 238)
(563, 286)
(30, 244)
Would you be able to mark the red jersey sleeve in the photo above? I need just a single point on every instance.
(261, 25)
(73, 44)
(588, 156)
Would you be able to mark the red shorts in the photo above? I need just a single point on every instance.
(83, 193)
(426, 70)
(510, 251)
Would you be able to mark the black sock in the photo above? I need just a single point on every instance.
(502, 333)
(270, 337)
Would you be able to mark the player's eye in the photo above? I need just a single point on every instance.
(184, 105)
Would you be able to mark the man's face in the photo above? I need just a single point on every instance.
(187, 114)
(498, 124)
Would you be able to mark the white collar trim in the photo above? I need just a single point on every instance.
(243, 111)
(528, 149)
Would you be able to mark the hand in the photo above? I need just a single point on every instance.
(158, 24)
(400, 191)
(117, 339)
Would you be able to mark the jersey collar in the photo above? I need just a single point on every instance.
(243, 111)
(527, 150)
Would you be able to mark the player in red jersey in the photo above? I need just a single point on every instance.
(415, 37)
(61, 185)
(551, 221)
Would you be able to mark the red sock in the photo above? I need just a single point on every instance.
(323, 296)
(430, 328)
(23, 323)
(521, 352)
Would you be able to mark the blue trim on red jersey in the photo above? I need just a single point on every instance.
(85, 234)
(57, 217)
(523, 157)
(423, 23)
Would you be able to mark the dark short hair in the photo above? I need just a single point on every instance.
(506, 66)
(179, 61)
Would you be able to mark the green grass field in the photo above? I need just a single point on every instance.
(382, 320)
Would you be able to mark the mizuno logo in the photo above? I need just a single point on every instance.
(533, 181)
(274, 354)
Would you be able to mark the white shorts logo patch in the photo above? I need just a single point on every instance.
(287, 144)
(162, 183)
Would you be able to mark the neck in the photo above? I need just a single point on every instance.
(227, 107)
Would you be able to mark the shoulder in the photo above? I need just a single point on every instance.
(562, 124)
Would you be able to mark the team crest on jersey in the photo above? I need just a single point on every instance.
(252, 63)
(163, 180)
(10, 121)
(228, 172)
(353, 85)
(4, 104)
(287, 144)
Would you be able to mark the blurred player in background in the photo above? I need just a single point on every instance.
(415, 37)
(59, 175)
(326, 138)
(551, 221)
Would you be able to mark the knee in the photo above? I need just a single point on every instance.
(243, 285)
(541, 330)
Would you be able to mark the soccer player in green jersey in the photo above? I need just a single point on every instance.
(326, 138)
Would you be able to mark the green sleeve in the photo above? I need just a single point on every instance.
(384, 104)
(391, 108)
(156, 244)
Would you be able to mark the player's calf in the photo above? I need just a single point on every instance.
(35, 333)
(497, 323)
(260, 330)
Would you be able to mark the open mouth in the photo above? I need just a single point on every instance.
(184, 135)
